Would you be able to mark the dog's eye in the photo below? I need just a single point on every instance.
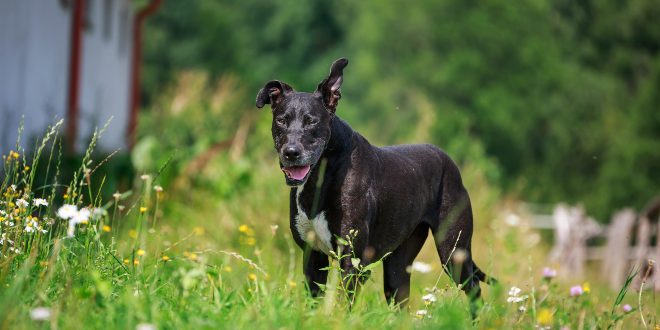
(280, 121)
(310, 121)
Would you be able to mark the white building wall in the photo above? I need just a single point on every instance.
(34, 69)
(106, 73)
(34, 57)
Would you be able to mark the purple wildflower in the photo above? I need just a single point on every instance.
(549, 273)
(576, 291)
(627, 308)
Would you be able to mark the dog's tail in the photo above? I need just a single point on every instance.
(483, 277)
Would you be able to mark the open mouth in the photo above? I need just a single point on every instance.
(296, 173)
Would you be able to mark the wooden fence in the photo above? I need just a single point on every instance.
(631, 240)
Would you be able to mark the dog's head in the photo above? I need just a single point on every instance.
(301, 121)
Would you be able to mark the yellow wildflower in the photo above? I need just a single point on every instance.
(126, 261)
(107, 228)
(143, 209)
(252, 277)
(166, 258)
(199, 231)
(585, 287)
(244, 229)
(227, 269)
(193, 256)
(292, 284)
(132, 233)
(140, 252)
(250, 241)
(136, 262)
(544, 317)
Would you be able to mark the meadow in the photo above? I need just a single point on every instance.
(212, 250)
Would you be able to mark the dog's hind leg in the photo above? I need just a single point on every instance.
(452, 240)
(396, 266)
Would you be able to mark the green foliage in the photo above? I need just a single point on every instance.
(528, 91)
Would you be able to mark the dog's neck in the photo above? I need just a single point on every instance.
(341, 139)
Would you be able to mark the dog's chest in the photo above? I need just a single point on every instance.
(315, 231)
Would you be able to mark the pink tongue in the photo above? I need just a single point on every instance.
(296, 172)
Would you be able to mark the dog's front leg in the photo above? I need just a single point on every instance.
(353, 261)
(315, 266)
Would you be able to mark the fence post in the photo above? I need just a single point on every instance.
(615, 261)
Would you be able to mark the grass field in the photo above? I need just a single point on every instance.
(184, 256)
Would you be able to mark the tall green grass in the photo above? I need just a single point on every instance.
(169, 255)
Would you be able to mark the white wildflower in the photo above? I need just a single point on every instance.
(82, 216)
(98, 212)
(512, 220)
(158, 188)
(514, 295)
(40, 202)
(40, 314)
(429, 298)
(421, 313)
(145, 177)
(67, 211)
(421, 267)
(146, 326)
(30, 225)
(22, 203)
(4, 238)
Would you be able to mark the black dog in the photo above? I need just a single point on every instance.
(386, 199)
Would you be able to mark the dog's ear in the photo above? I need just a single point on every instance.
(272, 93)
(329, 87)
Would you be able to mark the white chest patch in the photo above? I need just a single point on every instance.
(313, 231)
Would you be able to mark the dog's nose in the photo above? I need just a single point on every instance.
(291, 152)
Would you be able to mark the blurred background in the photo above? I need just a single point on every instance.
(539, 102)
